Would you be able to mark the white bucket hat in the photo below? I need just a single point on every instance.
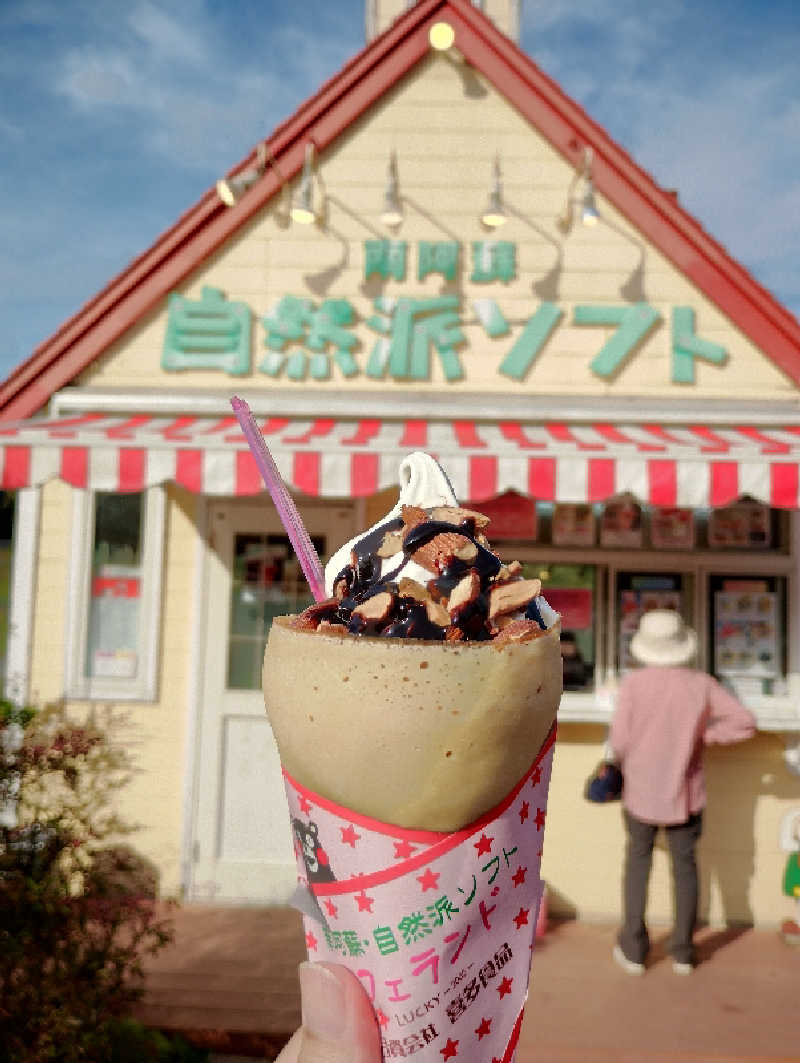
(664, 639)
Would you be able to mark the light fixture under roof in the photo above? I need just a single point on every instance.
(392, 213)
(583, 200)
(441, 36)
(494, 215)
(303, 210)
(231, 189)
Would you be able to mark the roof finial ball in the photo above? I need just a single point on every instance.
(441, 36)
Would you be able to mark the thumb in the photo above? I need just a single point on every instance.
(339, 1023)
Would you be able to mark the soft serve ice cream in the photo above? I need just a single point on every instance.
(426, 572)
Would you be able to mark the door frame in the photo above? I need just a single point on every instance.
(198, 693)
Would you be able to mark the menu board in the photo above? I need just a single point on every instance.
(744, 525)
(621, 523)
(746, 633)
(573, 524)
(646, 593)
(672, 528)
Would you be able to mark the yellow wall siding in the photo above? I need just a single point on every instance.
(47, 643)
(740, 862)
(155, 797)
(154, 733)
(433, 119)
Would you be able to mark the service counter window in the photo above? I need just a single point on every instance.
(114, 597)
(639, 592)
(571, 590)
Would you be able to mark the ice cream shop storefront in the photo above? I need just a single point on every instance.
(592, 370)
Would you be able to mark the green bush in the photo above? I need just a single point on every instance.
(77, 914)
(130, 1042)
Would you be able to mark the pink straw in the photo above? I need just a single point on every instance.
(287, 510)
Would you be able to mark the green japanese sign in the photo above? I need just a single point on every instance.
(304, 339)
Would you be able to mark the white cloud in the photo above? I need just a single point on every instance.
(170, 39)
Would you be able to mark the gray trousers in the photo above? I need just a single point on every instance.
(681, 839)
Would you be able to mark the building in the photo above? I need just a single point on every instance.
(621, 396)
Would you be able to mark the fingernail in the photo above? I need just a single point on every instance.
(322, 1002)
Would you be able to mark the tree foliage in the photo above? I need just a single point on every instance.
(78, 906)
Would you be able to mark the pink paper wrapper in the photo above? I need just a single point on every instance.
(439, 928)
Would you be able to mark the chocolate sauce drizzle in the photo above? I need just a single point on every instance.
(409, 617)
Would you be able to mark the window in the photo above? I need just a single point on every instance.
(115, 592)
(267, 582)
(571, 590)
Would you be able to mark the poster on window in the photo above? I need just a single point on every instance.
(113, 635)
(632, 605)
(746, 634)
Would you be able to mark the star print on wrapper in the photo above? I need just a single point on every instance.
(429, 880)
(505, 987)
(450, 1049)
(484, 1029)
(364, 902)
(349, 836)
(483, 845)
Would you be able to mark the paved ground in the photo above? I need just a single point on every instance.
(229, 982)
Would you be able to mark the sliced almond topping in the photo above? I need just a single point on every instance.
(511, 597)
(518, 631)
(508, 572)
(464, 592)
(410, 588)
(468, 552)
(411, 516)
(340, 589)
(376, 608)
(437, 614)
(311, 617)
(392, 544)
(435, 554)
(455, 514)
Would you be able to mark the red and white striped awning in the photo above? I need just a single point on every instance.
(667, 465)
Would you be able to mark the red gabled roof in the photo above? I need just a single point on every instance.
(322, 118)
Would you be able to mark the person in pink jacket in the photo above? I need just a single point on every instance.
(665, 714)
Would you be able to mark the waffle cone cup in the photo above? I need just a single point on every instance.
(417, 734)
(417, 777)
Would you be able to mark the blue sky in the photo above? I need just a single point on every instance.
(116, 116)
